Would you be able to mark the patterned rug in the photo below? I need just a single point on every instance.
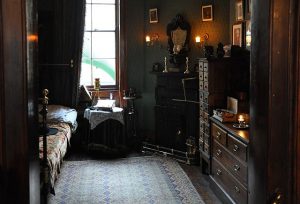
(148, 179)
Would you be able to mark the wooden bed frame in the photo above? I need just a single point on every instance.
(54, 140)
(45, 184)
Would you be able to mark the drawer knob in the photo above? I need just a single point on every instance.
(235, 148)
(237, 190)
(218, 135)
(219, 172)
(219, 152)
(236, 167)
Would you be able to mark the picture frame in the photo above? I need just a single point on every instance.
(207, 13)
(239, 10)
(248, 10)
(153, 17)
(237, 34)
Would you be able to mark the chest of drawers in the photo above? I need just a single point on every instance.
(212, 90)
(218, 78)
(229, 160)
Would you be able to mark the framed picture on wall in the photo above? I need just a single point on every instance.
(239, 10)
(153, 15)
(248, 9)
(237, 34)
(207, 13)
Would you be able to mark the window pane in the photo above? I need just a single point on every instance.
(103, 45)
(103, 17)
(88, 1)
(86, 50)
(105, 69)
(85, 76)
(88, 20)
(104, 1)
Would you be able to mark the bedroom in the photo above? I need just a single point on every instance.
(15, 76)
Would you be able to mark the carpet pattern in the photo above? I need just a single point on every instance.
(148, 179)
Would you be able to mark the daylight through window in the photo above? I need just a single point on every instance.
(100, 43)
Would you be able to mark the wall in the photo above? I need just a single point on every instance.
(141, 58)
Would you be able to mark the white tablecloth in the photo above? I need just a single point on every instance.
(96, 117)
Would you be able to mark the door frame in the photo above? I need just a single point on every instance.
(274, 86)
(19, 159)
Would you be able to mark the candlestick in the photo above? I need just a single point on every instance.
(241, 119)
(187, 71)
(166, 69)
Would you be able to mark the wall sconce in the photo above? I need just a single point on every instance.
(151, 39)
(200, 41)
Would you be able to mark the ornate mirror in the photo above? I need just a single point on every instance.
(178, 31)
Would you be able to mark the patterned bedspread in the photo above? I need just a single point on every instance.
(56, 149)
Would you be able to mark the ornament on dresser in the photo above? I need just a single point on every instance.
(220, 51)
(156, 67)
(208, 51)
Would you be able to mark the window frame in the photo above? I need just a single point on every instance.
(117, 49)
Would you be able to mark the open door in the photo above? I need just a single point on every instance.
(19, 159)
(274, 84)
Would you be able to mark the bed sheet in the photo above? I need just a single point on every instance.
(57, 146)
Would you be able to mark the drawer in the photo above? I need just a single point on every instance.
(206, 148)
(201, 113)
(201, 105)
(200, 65)
(201, 76)
(205, 86)
(205, 117)
(201, 85)
(205, 76)
(205, 97)
(206, 128)
(235, 167)
(237, 148)
(205, 66)
(219, 134)
(201, 125)
(235, 190)
(201, 96)
(206, 140)
(201, 142)
(207, 108)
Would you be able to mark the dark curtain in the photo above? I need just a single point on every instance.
(65, 24)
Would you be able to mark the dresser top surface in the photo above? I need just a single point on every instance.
(240, 134)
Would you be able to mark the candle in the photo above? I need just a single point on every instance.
(147, 38)
(197, 39)
(241, 118)
(97, 84)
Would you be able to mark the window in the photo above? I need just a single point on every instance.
(101, 44)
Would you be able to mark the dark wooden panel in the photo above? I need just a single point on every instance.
(2, 146)
(296, 111)
(272, 82)
(19, 120)
(259, 90)
(32, 100)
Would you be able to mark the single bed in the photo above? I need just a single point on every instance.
(62, 119)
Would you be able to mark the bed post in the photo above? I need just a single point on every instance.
(45, 130)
